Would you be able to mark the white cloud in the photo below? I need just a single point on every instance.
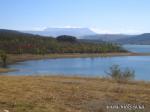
(120, 31)
(102, 31)
(43, 28)
(69, 26)
(38, 28)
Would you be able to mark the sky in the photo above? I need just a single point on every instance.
(101, 16)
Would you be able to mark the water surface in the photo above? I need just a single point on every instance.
(98, 66)
(84, 66)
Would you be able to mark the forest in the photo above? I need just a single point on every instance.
(14, 42)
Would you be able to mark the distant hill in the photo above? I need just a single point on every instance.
(96, 41)
(120, 38)
(18, 43)
(63, 31)
(138, 39)
(93, 38)
(106, 37)
(13, 33)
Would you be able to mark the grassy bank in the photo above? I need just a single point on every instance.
(69, 94)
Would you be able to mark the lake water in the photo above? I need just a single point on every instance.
(85, 66)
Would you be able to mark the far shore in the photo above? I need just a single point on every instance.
(14, 58)
(5, 70)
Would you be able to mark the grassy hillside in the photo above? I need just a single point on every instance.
(107, 37)
(18, 43)
(70, 94)
(121, 39)
(139, 39)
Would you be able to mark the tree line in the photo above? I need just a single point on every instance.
(19, 43)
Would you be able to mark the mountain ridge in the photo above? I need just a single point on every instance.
(63, 31)
(138, 39)
(107, 37)
(115, 38)
(14, 42)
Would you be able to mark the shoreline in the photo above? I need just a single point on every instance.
(15, 58)
(5, 70)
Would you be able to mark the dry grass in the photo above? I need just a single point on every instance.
(2, 70)
(69, 94)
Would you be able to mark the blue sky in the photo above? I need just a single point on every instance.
(103, 16)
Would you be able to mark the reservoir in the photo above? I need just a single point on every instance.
(98, 66)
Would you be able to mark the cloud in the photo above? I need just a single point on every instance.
(68, 26)
(102, 31)
(44, 28)
(39, 28)
(118, 31)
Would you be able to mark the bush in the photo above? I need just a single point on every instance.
(66, 38)
(3, 57)
(121, 75)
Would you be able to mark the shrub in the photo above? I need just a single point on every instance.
(121, 75)
(66, 38)
(3, 57)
